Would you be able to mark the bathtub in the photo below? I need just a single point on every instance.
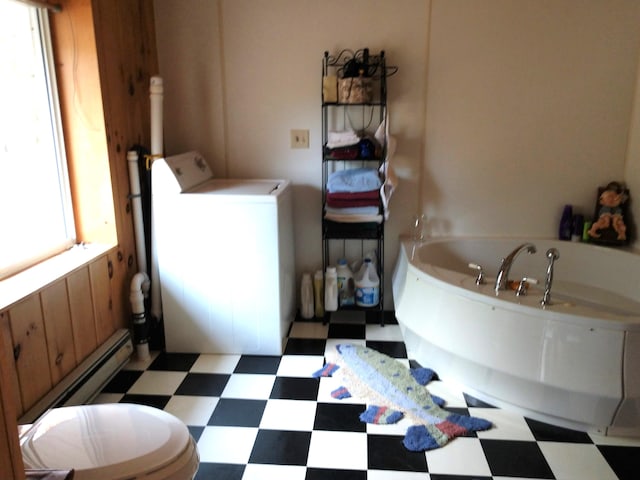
(574, 362)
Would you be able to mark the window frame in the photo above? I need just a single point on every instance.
(40, 19)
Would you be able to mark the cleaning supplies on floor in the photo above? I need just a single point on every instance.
(306, 297)
(346, 285)
(367, 285)
(318, 291)
(331, 290)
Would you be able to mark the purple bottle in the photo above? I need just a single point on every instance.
(566, 223)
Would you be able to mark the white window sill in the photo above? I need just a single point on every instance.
(29, 281)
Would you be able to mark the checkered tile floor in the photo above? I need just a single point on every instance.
(265, 417)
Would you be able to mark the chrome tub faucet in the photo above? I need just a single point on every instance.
(552, 256)
(502, 279)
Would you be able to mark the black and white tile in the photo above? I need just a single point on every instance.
(263, 417)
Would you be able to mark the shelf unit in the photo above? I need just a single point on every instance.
(365, 118)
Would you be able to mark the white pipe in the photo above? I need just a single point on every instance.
(140, 281)
(156, 91)
(139, 290)
(136, 207)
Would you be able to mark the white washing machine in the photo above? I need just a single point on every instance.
(225, 256)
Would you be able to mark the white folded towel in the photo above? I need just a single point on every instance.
(344, 138)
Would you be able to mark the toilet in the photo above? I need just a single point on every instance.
(111, 442)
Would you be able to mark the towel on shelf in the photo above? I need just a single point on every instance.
(336, 217)
(364, 210)
(344, 138)
(344, 153)
(386, 170)
(353, 194)
(357, 199)
(368, 195)
(354, 180)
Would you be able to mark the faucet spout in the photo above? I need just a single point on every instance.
(552, 255)
(502, 279)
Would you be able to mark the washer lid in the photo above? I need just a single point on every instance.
(237, 188)
(108, 441)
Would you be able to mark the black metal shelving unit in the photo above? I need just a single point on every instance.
(364, 118)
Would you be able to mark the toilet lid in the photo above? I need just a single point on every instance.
(107, 441)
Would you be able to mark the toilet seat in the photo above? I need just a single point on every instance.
(111, 442)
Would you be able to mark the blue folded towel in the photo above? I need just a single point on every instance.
(354, 180)
(352, 210)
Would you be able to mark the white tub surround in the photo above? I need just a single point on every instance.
(573, 362)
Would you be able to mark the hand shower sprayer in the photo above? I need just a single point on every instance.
(552, 256)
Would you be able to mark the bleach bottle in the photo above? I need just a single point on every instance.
(367, 285)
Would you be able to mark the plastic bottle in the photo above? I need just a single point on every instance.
(585, 230)
(346, 287)
(566, 223)
(331, 290)
(306, 296)
(318, 290)
(577, 228)
(367, 285)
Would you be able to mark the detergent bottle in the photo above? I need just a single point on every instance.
(331, 290)
(306, 297)
(346, 287)
(318, 290)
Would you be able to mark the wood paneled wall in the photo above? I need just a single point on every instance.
(44, 336)
(11, 466)
(51, 331)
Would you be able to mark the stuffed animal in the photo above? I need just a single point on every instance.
(610, 214)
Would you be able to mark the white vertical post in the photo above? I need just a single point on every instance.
(156, 92)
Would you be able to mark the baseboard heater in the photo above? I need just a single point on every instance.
(88, 379)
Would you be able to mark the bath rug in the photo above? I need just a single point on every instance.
(392, 392)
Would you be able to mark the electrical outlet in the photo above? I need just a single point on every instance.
(299, 138)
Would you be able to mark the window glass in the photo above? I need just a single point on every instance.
(35, 207)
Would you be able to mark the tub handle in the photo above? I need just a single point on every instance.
(524, 284)
(478, 268)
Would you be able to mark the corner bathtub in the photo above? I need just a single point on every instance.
(574, 363)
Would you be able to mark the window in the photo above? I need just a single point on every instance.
(36, 215)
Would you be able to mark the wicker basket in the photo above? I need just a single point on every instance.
(355, 90)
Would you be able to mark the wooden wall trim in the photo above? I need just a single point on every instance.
(11, 465)
(83, 118)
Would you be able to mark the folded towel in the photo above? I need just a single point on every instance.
(342, 139)
(371, 210)
(354, 180)
(353, 196)
(353, 218)
(356, 199)
(352, 204)
(344, 153)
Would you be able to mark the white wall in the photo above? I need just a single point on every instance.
(529, 106)
(504, 110)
